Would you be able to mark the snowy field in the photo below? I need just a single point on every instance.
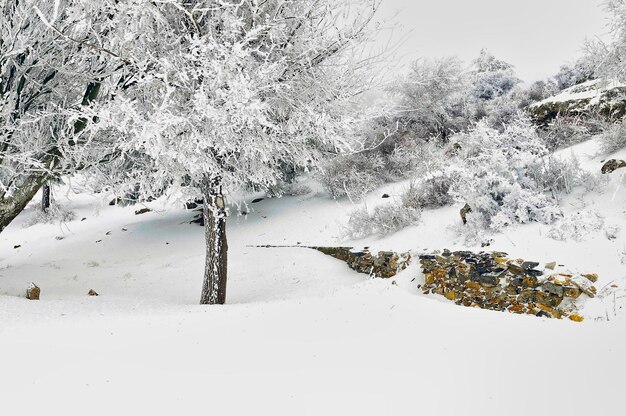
(301, 334)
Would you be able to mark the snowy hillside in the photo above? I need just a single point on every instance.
(301, 333)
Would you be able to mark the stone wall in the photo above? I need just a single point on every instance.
(492, 281)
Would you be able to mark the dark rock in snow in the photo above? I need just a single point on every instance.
(529, 265)
(254, 201)
(612, 165)
(464, 211)
(142, 211)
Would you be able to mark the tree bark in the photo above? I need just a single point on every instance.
(45, 197)
(11, 206)
(216, 264)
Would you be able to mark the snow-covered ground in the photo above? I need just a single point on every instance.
(301, 333)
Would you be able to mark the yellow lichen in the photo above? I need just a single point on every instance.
(576, 317)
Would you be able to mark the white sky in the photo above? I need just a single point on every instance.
(537, 36)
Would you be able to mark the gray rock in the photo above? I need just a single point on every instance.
(612, 165)
(554, 289)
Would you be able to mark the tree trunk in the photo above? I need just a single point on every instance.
(45, 197)
(214, 287)
(11, 206)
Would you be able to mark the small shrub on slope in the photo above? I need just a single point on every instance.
(577, 226)
(55, 214)
(613, 139)
(352, 175)
(431, 192)
(382, 220)
(495, 180)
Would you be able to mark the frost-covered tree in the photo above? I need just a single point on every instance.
(230, 92)
(49, 73)
(432, 97)
(493, 77)
(570, 75)
(608, 59)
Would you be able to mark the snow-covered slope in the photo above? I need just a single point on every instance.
(302, 333)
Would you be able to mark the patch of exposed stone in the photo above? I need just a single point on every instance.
(384, 265)
(612, 165)
(590, 98)
(33, 292)
(492, 281)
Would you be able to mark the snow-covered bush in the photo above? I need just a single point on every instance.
(383, 219)
(566, 131)
(55, 214)
(289, 189)
(492, 85)
(432, 97)
(352, 175)
(577, 226)
(495, 181)
(501, 111)
(539, 90)
(556, 176)
(614, 138)
(492, 77)
(431, 192)
(414, 158)
(570, 75)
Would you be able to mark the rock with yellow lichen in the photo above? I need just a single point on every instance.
(492, 281)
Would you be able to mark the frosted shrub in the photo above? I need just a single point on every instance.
(492, 77)
(288, 189)
(490, 85)
(614, 138)
(566, 131)
(432, 97)
(501, 111)
(382, 220)
(556, 176)
(404, 159)
(577, 226)
(496, 182)
(568, 75)
(432, 192)
(352, 175)
(415, 158)
(55, 214)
